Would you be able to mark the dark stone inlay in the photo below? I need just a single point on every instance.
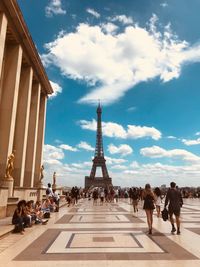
(70, 241)
(64, 219)
(136, 240)
(67, 219)
(75, 247)
(103, 239)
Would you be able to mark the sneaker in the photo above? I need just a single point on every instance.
(150, 231)
(178, 232)
(173, 230)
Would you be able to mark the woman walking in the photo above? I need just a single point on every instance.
(158, 201)
(135, 198)
(149, 200)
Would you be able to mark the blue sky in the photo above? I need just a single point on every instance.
(142, 60)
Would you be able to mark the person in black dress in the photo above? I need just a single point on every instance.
(149, 206)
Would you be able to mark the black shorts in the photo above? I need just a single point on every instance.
(176, 212)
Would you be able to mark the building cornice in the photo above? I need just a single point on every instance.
(23, 37)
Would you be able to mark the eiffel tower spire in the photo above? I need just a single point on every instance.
(99, 141)
(99, 160)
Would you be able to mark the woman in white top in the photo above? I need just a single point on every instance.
(158, 200)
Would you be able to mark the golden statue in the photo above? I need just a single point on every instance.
(41, 173)
(54, 178)
(10, 165)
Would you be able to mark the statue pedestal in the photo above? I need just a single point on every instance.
(8, 182)
(54, 186)
(40, 191)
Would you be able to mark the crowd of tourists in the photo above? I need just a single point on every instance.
(28, 213)
(151, 199)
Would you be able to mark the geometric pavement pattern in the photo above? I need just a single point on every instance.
(87, 233)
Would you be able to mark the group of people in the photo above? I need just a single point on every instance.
(152, 200)
(28, 213)
(73, 196)
(104, 194)
(173, 201)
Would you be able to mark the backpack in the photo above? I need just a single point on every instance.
(48, 191)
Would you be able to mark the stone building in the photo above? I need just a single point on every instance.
(24, 88)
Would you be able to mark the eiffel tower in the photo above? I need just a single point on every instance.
(99, 160)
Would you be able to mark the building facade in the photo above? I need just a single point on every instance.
(24, 89)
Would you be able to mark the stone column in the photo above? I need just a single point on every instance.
(3, 28)
(32, 135)
(8, 105)
(22, 122)
(40, 138)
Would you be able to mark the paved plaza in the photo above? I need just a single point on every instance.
(108, 235)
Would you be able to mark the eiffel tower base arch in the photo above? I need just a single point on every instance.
(97, 182)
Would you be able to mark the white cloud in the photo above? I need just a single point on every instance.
(164, 4)
(68, 148)
(134, 165)
(112, 129)
(93, 12)
(82, 165)
(88, 125)
(122, 149)
(197, 133)
(121, 60)
(122, 18)
(158, 152)
(136, 132)
(85, 146)
(57, 89)
(191, 142)
(158, 173)
(119, 167)
(109, 27)
(111, 161)
(171, 137)
(134, 174)
(54, 8)
(131, 109)
(58, 141)
(52, 153)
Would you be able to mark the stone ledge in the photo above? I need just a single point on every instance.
(6, 227)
